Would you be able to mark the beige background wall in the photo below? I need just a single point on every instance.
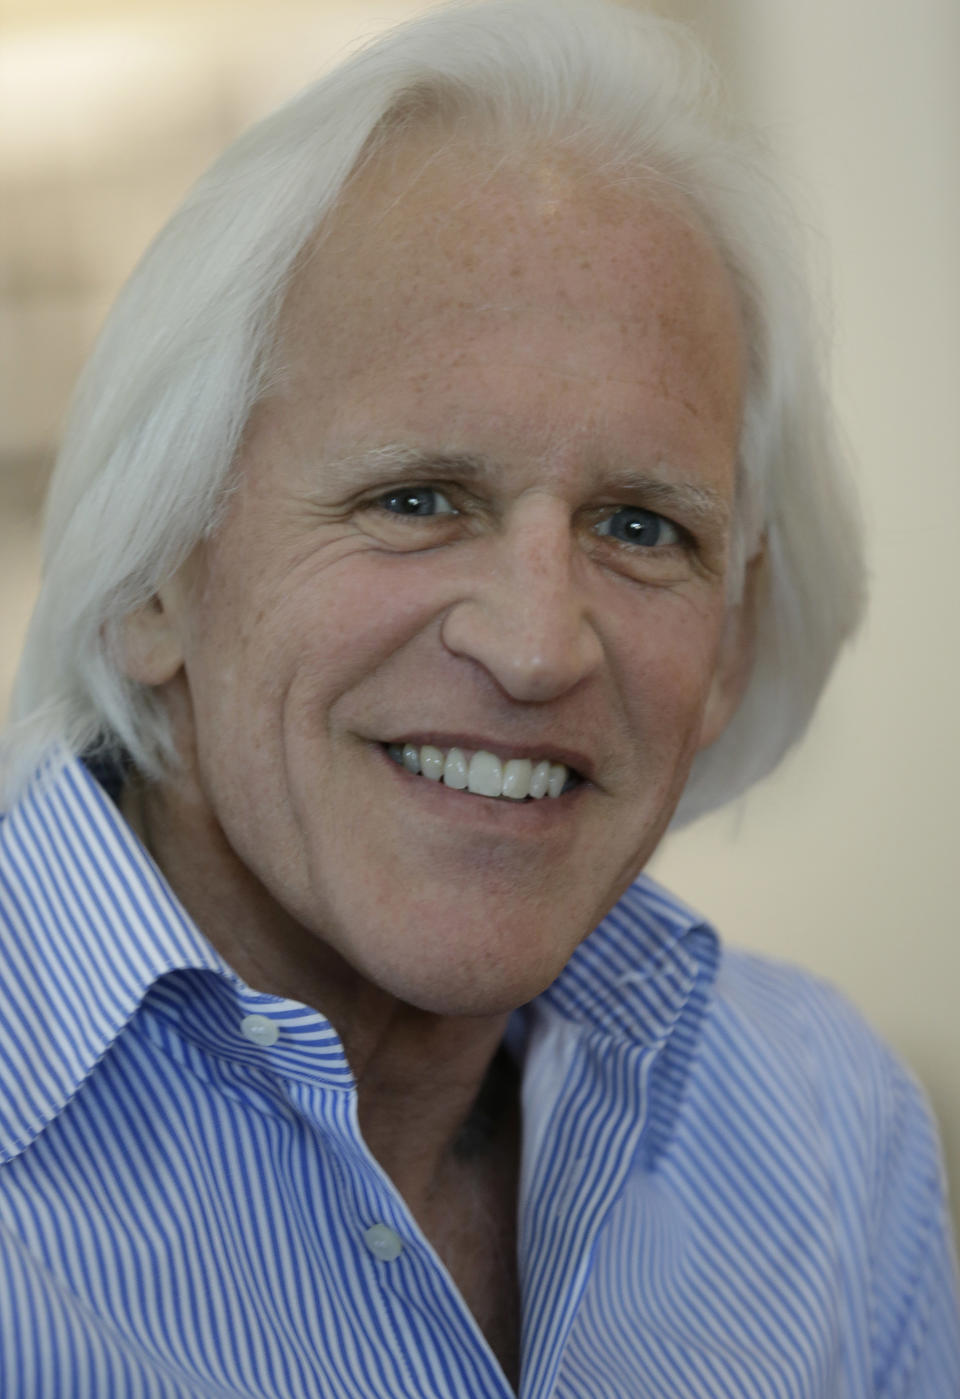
(845, 861)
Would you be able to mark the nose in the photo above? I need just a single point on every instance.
(523, 616)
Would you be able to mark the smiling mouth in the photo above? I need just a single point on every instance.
(483, 774)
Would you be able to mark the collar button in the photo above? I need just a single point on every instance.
(260, 1030)
(383, 1242)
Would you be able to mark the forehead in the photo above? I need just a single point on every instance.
(441, 230)
(443, 266)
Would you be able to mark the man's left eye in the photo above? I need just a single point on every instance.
(631, 525)
(416, 500)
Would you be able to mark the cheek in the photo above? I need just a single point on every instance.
(354, 618)
(667, 653)
(301, 643)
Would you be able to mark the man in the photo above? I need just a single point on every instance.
(449, 496)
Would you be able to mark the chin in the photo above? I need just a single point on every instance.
(458, 956)
(453, 1002)
(467, 987)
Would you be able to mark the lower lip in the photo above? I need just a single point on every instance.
(455, 801)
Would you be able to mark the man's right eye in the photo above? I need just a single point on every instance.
(416, 500)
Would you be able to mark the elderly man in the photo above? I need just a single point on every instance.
(448, 497)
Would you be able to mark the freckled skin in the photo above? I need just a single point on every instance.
(559, 329)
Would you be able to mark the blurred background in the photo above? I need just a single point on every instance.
(846, 860)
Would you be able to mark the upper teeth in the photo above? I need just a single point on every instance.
(483, 773)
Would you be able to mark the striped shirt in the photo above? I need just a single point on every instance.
(730, 1189)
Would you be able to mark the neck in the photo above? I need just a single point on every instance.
(433, 1100)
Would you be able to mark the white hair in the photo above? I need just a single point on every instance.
(159, 412)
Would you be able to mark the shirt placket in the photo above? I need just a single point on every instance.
(443, 1350)
(596, 1125)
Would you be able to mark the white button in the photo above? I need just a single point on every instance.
(383, 1242)
(260, 1029)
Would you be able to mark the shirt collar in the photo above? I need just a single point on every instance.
(644, 975)
(88, 925)
(634, 975)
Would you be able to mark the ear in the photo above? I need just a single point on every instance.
(151, 647)
(735, 657)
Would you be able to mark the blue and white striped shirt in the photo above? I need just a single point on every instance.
(729, 1188)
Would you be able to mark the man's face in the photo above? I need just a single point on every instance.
(486, 507)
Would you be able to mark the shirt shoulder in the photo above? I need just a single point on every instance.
(793, 1012)
(827, 1080)
(812, 1038)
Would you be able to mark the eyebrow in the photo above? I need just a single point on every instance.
(356, 467)
(699, 504)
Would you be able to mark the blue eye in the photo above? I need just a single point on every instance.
(631, 525)
(416, 501)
